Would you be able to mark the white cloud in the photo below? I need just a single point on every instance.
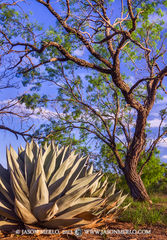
(164, 156)
(163, 101)
(154, 114)
(156, 122)
(79, 52)
(155, 18)
(20, 109)
(163, 142)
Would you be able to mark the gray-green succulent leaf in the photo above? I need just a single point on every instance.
(54, 187)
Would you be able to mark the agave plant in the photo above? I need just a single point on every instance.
(53, 187)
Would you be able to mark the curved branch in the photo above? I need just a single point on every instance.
(17, 133)
(78, 34)
(151, 149)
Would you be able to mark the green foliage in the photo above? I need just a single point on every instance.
(153, 174)
(142, 213)
(161, 186)
(13, 21)
(33, 101)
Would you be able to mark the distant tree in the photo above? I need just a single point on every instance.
(121, 53)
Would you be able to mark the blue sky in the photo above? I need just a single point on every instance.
(6, 138)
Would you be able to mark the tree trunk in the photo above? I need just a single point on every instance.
(135, 183)
(133, 179)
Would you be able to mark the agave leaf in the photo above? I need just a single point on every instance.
(121, 200)
(8, 226)
(57, 190)
(46, 152)
(15, 168)
(38, 168)
(112, 210)
(78, 209)
(118, 199)
(7, 213)
(59, 154)
(84, 171)
(104, 208)
(5, 189)
(45, 212)
(4, 173)
(88, 200)
(93, 188)
(81, 179)
(100, 192)
(62, 155)
(71, 196)
(62, 169)
(49, 161)
(125, 207)
(84, 200)
(35, 148)
(39, 194)
(54, 165)
(67, 200)
(76, 169)
(111, 190)
(21, 153)
(23, 213)
(109, 203)
(86, 216)
(105, 183)
(20, 149)
(20, 159)
(47, 156)
(67, 153)
(114, 197)
(21, 181)
(5, 201)
(58, 223)
(6, 209)
(90, 171)
(84, 181)
(9, 160)
(51, 168)
(45, 146)
(14, 158)
(18, 192)
(120, 210)
(28, 163)
(63, 184)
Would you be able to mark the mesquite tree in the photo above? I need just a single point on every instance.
(119, 48)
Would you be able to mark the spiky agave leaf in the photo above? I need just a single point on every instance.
(53, 187)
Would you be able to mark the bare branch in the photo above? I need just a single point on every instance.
(17, 133)
(151, 150)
